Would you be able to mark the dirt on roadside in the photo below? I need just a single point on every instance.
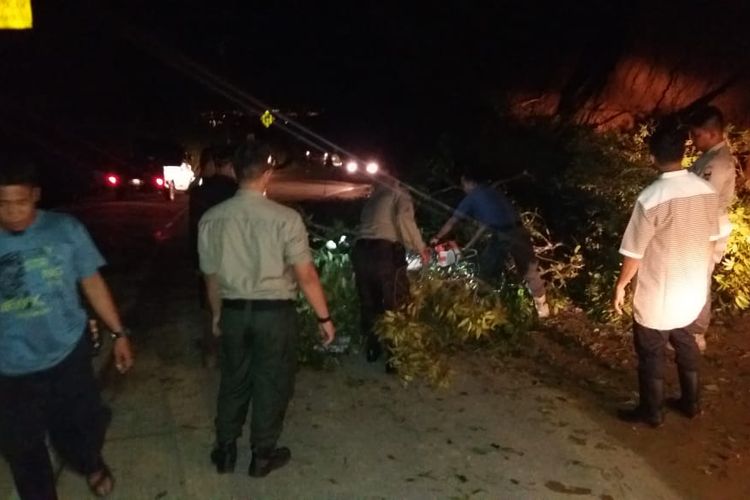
(704, 458)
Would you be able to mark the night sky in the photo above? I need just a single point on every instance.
(387, 77)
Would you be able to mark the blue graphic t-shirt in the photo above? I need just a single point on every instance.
(41, 316)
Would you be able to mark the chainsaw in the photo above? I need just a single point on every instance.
(447, 253)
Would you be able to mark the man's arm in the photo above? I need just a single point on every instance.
(721, 174)
(309, 283)
(407, 225)
(97, 293)
(447, 228)
(628, 271)
(214, 301)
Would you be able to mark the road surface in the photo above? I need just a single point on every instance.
(354, 432)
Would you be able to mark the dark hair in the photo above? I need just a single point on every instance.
(252, 160)
(15, 172)
(667, 142)
(474, 175)
(707, 117)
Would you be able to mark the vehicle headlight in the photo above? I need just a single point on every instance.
(372, 168)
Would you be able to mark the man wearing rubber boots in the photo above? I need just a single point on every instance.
(254, 254)
(387, 229)
(667, 246)
(47, 383)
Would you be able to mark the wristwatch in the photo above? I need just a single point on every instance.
(125, 332)
(324, 320)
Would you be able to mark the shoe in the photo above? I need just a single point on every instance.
(542, 308)
(650, 409)
(688, 403)
(390, 368)
(640, 415)
(374, 349)
(224, 457)
(262, 464)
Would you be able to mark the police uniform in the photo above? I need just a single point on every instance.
(387, 228)
(719, 167)
(251, 244)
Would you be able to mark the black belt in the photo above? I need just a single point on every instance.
(257, 305)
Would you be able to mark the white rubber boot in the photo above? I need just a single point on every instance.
(542, 308)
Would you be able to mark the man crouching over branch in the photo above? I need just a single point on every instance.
(668, 246)
(253, 253)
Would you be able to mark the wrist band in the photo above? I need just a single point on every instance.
(324, 320)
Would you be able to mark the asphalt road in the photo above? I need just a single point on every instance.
(354, 432)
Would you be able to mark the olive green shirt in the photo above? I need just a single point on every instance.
(389, 215)
(251, 243)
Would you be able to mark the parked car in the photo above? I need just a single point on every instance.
(126, 181)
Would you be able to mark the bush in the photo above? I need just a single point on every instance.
(331, 255)
(446, 314)
(732, 275)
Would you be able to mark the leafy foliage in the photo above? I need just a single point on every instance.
(446, 314)
(732, 276)
(332, 259)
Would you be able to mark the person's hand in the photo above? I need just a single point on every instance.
(327, 332)
(425, 254)
(434, 241)
(619, 299)
(215, 328)
(123, 353)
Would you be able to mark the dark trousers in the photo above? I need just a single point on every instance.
(62, 402)
(517, 243)
(650, 345)
(382, 282)
(258, 359)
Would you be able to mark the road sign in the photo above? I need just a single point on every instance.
(15, 14)
(266, 119)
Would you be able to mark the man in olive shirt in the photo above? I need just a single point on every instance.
(254, 253)
(387, 228)
(719, 167)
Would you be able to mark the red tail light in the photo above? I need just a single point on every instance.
(112, 180)
(159, 182)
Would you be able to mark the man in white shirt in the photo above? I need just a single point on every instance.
(668, 244)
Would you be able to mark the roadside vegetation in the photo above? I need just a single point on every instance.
(575, 188)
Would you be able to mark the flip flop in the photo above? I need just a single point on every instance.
(105, 474)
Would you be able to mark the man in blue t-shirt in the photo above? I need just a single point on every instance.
(494, 213)
(47, 384)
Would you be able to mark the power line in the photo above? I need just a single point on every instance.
(253, 105)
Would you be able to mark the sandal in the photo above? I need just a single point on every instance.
(103, 484)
